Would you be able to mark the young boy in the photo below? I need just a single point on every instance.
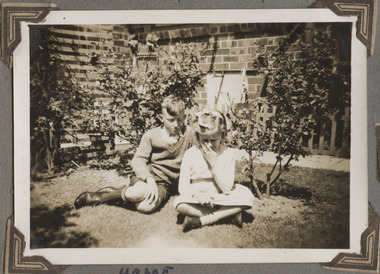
(155, 165)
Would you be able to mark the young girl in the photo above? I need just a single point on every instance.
(206, 184)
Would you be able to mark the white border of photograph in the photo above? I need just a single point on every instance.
(358, 164)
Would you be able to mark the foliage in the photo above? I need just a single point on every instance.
(249, 134)
(302, 84)
(135, 93)
(55, 101)
(126, 101)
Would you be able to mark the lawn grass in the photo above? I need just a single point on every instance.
(312, 211)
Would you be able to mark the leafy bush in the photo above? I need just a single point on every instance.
(135, 93)
(301, 90)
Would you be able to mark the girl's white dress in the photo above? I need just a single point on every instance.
(195, 176)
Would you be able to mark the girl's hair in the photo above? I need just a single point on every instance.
(209, 122)
(173, 105)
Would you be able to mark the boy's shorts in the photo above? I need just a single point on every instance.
(163, 187)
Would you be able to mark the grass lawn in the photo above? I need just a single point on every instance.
(311, 211)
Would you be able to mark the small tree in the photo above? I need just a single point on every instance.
(302, 89)
(249, 134)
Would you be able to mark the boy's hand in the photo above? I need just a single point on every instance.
(210, 155)
(151, 193)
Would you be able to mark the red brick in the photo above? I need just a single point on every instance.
(221, 66)
(231, 58)
(217, 59)
(253, 50)
(223, 37)
(246, 43)
(204, 67)
(226, 44)
(249, 65)
(218, 52)
(125, 50)
(262, 42)
(255, 80)
(238, 66)
(239, 51)
(212, 59)
(245, 58)
(253, 88)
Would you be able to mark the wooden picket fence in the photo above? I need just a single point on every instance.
(327, 138)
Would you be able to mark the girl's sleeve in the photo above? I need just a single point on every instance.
(184, 185)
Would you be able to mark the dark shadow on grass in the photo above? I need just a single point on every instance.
(46, 229)
(247, 218)
(285, 189)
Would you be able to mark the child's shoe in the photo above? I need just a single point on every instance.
(180, 219)
(104, 195)
(191, 223)
(238, 220)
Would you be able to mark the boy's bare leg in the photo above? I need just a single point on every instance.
(136, 194)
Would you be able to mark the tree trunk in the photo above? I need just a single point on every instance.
(256, 188)
(268, 188)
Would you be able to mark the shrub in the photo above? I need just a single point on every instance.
(135, 93)
(301, 90)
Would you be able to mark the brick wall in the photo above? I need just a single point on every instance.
(80, 43)
(227, 48)
(230, 47)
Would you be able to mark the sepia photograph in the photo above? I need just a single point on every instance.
(227, 135)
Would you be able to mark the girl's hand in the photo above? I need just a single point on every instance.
(204, 199)
(210, 155)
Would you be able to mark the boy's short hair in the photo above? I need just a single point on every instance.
(210, 122)
(173, 105)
